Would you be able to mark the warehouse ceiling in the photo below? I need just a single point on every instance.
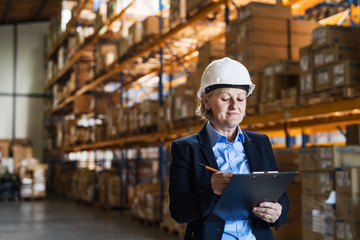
(21, 11)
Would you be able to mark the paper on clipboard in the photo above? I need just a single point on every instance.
(244, 191)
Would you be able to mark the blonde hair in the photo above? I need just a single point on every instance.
(201, 111)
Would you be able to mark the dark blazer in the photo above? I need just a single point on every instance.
(191, 195)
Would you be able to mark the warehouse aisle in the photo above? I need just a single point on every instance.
(66, 220)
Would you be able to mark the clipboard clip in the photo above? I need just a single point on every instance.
(266, 172)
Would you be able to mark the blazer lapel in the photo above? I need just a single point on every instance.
(251, 153)
(206, 148)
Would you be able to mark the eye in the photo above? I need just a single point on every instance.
(240, 99)
(225, 99)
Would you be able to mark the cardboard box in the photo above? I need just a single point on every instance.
(286, 67)
(82, 104)
(302, 26)
(347, 156)
(346, 73)
(306, 59)
(177, 12)
(135, 33)
(348, 207)
(330, 34)
(151, 26)
(347, 230)
(319, 183)
(208, 52)
(348, 181)
(324, 79)
(264, 10)
(334, 53)
(262, 37)
(306, 83)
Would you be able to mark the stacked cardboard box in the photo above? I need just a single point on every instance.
(264, 34)
(146, 202)
(4, 148)
(106, 55)
(135, 33)
(177, 12)
(288, 161)
(33, 178)
(82, 185)
(318, 166)
(348, 203)
(279, 86)
(330, 62)
(183, 102)
(148, 115)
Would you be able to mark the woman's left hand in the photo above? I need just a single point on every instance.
(268, 211)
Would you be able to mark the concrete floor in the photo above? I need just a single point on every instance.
(65, 220)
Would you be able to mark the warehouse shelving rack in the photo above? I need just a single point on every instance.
(304, 119)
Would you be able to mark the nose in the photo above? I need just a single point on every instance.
(233, 103)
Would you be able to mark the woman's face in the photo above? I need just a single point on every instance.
(228, 106)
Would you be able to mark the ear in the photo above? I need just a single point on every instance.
(206, 101)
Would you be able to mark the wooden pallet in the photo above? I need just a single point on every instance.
(332, 95)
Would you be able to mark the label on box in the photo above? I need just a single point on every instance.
(323, 77)
(268, 71)
(278, 68)
(343, 179)
(319, 59)
(328, 58)
(339, 76)
(304, 63)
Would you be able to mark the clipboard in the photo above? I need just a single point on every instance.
(244, 191)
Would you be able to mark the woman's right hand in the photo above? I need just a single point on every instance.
(219, 181)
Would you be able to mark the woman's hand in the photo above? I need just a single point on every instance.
(219, 181)
(268, 211)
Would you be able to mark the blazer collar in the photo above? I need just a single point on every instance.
(249, 147)
(205, 146)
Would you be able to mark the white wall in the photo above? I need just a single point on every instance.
(30, 48)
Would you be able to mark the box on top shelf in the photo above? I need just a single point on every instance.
(302, 26)
(151, 26)
(334, 53)
(329, 157)
(323, 78)
(135, 33)
(193, 5)
(264, 10)
(346, 73)
(177, 12)
(282, 67)
(330, 34)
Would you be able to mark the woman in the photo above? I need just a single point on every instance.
(222, 145)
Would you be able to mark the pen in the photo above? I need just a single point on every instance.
(209, 168)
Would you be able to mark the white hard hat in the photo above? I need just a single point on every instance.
(224, 73)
